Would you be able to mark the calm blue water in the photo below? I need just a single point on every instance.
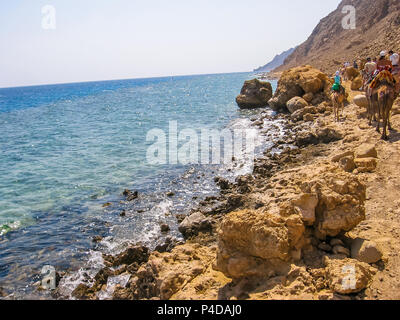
(67, 149)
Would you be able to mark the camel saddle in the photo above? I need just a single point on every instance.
(384, 76)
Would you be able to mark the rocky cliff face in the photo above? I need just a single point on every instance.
(377, 28)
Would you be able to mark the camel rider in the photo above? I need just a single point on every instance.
(395, 59)
(369, 70)
(370, 67)
(383, 63)
(337, 86)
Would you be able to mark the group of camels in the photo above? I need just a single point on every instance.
(380, 93)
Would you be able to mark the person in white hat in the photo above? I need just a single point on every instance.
(394, 58)
(383, 63)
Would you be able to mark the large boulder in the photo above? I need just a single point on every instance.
(361, 101)
(366, 251)
(254, 94)
(295, 104)
(248, 237)
(317, 202)
(366, 150)
(299, 82)
(351, 73)
(357, 83)
(165, 274)
(347, 276)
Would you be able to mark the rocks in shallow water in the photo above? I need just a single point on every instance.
(165, 228)
(254, 94)
(366, 251)
(167, 273)
(2, 293)
(180, 217)
(347, 276)
(131, 195)
(83, 292)
(96, 239)
(222, 183)
(195, 223)
(167, 246)
(135, 254)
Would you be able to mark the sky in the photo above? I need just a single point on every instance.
(124, 39)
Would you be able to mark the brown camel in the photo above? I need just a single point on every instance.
(372, 98)
(386, 95)
(337, 98)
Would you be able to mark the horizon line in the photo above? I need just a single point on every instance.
(124, 79)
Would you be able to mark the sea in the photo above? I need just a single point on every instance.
(67, 153)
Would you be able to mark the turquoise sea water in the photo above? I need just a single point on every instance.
(65, 150)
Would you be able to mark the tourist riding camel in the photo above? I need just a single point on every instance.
(368, 72)
(395, 59)
(383, 63)
(381, 94)
(338, 95)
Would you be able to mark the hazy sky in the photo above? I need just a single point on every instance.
(120, 39)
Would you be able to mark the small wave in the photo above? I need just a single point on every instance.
(112, 282)
(85, 275)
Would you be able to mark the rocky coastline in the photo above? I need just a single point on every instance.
(303, 225)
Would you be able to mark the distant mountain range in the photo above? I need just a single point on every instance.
(276, 62)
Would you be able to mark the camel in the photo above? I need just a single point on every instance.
(337, 98)
(372, 108)
(386, 94)
(381, 94)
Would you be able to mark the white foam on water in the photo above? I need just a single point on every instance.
(84, 275)
(112, 282)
